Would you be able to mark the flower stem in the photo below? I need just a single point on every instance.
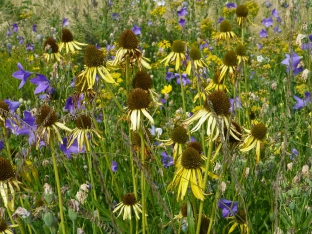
(114, 97)
(6, 140)
(182, 92)
(91, 175)
(201, 206)
(58, 185)
(143, 181)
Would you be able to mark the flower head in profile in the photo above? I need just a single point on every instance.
(239, 220)
(178, 138)
(84, 133)
(22, 75)
(128, 49)
(94, 64)
(129, 202)
(51, 50)
(216, 83)
(177, 54)
(240, 51)
(8, 183)
(226, 31)
(68, 42)
(196, 60)
(255, 137)
(138, 102)
(216, 110)
(5, 228)
(47, 126)
(241, 13)
(189, 173)
(229, 63)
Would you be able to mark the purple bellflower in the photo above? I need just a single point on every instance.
(300, 103)
(114, 166)
(136, 30)
(73, 149)
(294, 154)
(220, 20)
(22, 75)
(275, 12)
(228, 207)
(41, 82)
(182, 12)
(238, 104)
(34, 28)
(30, 47)
(267, 22)
(263, 33)
(230, 5)
(1, 145)
(12, 105)
(9, 33)
(295, 60)
(166, 160)
(15, 27)
(182, 22)
(65, 22)
(267, 4)
(185, 80)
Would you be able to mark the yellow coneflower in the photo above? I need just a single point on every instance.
(47, 122)
(5, 228)
(229, 64)
(128, 48)
(177, 54)
(81, 88)
(69, 43)
(239, 220)
(216, 83)
(240, 51)
(8, 183)
(51, 50)
(4, 111)
(94, 64)
(237, 131)
(83, 132)
(144, 81)
(254, 138)
(178, 138)
(241, 12)
(138, 102)
(226, 30)
(221, 106)
(129, 203)
(190, 172)
(196, 59)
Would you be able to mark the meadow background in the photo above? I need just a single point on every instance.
(48, 186)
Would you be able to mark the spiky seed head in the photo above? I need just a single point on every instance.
(84, 122)
(67, 36)
(50, 43)
(178, 46)
(191, 159)
(142, 80)
(259, 131)
(4, 109)
(204, 225)
(183, 210)
(240, 50)
(220, 102)
(240, 217)
(195, 145)
(230, 59)
(179, 135)
(46, 116)
(241, 11)
(129, 199)
(3, 226)
(128, 40)
(93, 57)
(138, 99)
(136, 139)
(225, 26)
(6, 169)
(195, 53)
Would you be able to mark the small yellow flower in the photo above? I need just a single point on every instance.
(167, 89)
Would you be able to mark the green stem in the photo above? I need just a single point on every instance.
(134, 181)
(7, 145)
(182, 92)
(58, 185)
(128, 74)
(114, 97)
(143, 181)
(91, 175)
(201, 206)
(74, 227)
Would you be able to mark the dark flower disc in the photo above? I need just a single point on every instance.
(142, 80)
(46, 116)
(84, 122)
(67, 36)
(178, 46)
(129, 199)
(191, 159)
(6, 169)
(4, 109)
(220, 103)
(93, 57)
(240, 50)
(179, 135)
(241, 11)
(195, 145)
(225, 26)
(259, 131)
(52, 43)
(195, 53)
(128, 40)
(138, 99)
(230, 59)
